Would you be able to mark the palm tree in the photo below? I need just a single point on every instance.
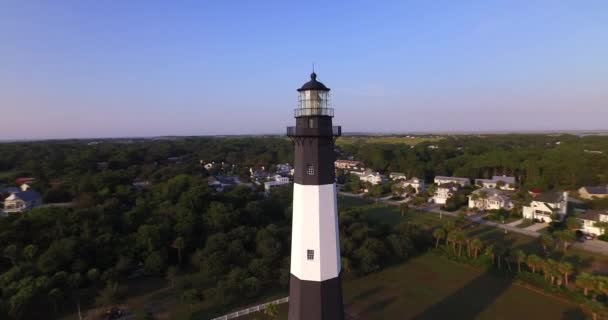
(476, 245)
(459, 238)
(565, 268)
(546, 241)
(438, 234)
(179, 244)
(490, 252)
(585, 281)
(272, 311)
(520, 257)
(549, 269)
(55, 296)
(533, 261)
(565, 236)
(172, 272)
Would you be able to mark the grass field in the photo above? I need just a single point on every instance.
(386, 140)
(430, 287)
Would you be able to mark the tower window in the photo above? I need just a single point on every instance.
(311, 123)
(310, 170)
(310, 254)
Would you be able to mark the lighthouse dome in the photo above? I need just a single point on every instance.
(313, 84)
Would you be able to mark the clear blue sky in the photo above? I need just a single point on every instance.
(145, 68)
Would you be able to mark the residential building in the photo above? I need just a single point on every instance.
(417, 184)
(141, 183)
(21, 199)
(281, 178)
(397, 176)
(463, 182)
(490, 199)
(500, 182)
(269, 185)
(348, 164)
(547, 205)
(285, 168)
(444, 192)
(591, 192)
(590, 218)
(373, 178)
(219, 183)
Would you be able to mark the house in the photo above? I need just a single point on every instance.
(463, 182)
(547, 205)
(21, 199)
(258, 174)
(285, 168)
(348, 164)
(269, 185)
(500, 182)
(591, 192)
(417, 184)
(280, 178)
(219, 183)
(444, 192)
(141, 183)
(490, 199)
(589, 219)
(373, 178)
(397, 176)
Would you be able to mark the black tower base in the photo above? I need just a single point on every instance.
(312, 300)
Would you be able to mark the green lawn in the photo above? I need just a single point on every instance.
(430, 287)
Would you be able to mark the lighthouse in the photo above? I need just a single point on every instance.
(315, 285)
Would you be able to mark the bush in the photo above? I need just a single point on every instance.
(603, 237)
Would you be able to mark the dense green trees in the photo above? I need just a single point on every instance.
(536, 160)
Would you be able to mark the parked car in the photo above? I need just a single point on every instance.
(589, 236)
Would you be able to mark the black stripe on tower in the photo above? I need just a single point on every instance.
(312, 300)
(314, 150)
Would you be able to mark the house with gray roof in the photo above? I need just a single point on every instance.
(463, 182)
(593, 192)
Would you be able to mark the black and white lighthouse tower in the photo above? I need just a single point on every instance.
(315, 286)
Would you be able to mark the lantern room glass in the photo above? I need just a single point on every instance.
(314, 99)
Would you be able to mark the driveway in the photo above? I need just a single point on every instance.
(596, 246)
(537, 226)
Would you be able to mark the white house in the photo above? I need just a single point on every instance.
(417, 184)
(373, 178)
(500, 182)
(545, 205)
(397, 176)
(280, 178)
(590, 218)
(21, 199)
(590, 192)
(444, 192)
(463, 182)
(490, 199)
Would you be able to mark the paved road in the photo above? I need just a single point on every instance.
(595, 246)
